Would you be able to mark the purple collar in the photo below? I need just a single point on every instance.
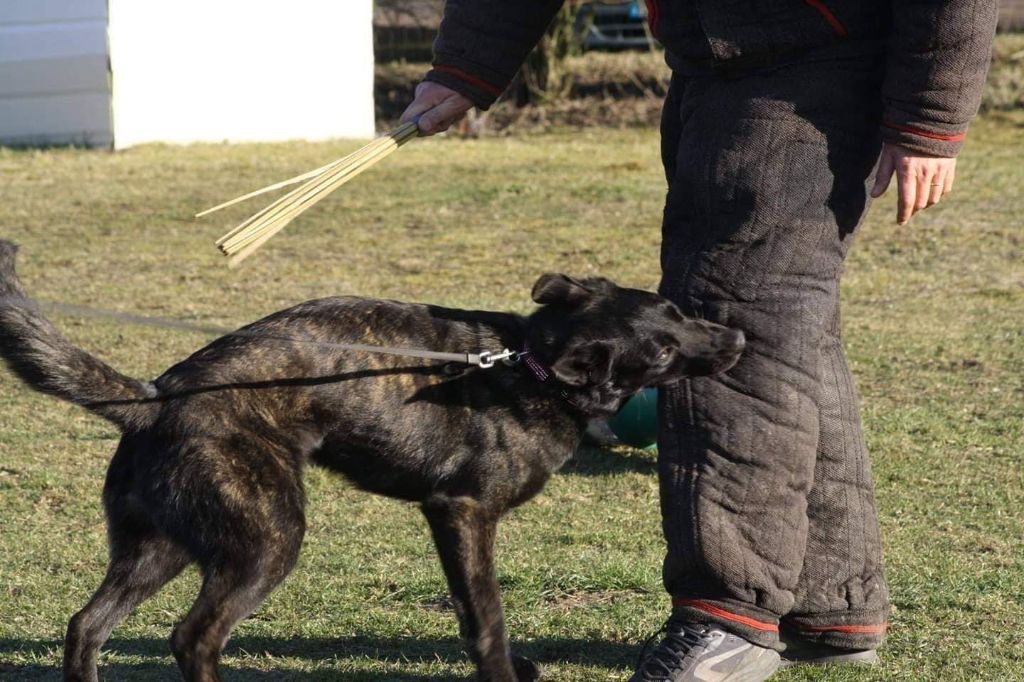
(536, 367)
(542, 373)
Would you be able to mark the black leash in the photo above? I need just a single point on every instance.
(483, 359)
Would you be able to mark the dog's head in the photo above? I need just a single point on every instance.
(604, 342)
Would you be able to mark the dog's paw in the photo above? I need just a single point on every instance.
(526, 670)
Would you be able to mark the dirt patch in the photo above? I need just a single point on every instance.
(439, 604)
(581, 600)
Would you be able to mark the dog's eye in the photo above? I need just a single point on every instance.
(665, 356)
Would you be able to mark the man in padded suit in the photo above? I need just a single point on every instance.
(782, 119)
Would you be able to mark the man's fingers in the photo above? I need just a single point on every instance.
(884, 174)
(433, 122)
(412, 111)
(417, 107)
(431, 127)
(906, 183)
(426, 99)
(435, 108)
(925, 177)
(442, 116)
(936, 187)
(921, 179)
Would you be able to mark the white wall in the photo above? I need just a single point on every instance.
(241, 70)
(54, 85)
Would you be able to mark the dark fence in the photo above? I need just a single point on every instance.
(404, 29)
(411, 43)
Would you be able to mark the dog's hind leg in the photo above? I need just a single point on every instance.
(141, 562)
(464, 535)
(234, 585)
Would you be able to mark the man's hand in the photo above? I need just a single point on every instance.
(920, 178)
(437, 106)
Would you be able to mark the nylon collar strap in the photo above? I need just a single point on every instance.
(542, 373)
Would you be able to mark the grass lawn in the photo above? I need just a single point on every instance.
(934, 317)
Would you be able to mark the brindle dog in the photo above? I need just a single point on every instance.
(209, 467)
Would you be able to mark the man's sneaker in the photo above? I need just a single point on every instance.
(694, 652)
(802, 652)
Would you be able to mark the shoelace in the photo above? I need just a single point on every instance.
(680, 639)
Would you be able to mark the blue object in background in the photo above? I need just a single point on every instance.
(636, 424)
(613, 26)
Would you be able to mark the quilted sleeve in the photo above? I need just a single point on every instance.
(939, 54)
(482, 44)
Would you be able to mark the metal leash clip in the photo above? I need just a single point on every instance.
(486, 359)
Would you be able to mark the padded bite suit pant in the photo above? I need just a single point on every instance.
(767, 500)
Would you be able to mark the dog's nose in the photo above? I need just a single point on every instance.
(734, 340)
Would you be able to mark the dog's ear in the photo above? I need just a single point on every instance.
(588, 363)
(555, 288)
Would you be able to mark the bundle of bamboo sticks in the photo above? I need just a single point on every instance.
(241, 242)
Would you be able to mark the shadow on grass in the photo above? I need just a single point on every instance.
(596, 461)
(112, 672)
(390, 650)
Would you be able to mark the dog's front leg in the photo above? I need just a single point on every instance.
(464, 535)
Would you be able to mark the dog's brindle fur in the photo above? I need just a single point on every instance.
(209, 467)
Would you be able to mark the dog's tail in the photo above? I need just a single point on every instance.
(38, 354)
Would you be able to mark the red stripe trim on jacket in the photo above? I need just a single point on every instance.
(470, 78)
(653, 15)
(924, 133)
(836, 25)
(853, 629)
(726, 615)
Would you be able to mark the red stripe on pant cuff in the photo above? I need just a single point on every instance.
(469, 78)
(713, 610)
